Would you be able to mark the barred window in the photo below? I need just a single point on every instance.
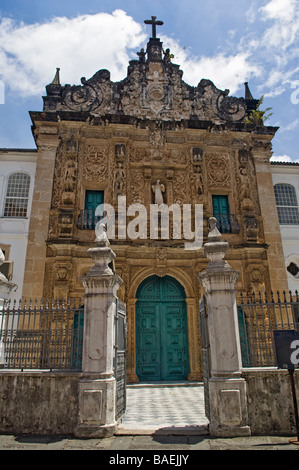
(287, 204)
(17, 194)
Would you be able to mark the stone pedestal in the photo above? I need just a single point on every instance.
(227, 389)
(97, 388)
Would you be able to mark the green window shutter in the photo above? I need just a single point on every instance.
(220, 205)
(93, 199)
(222, 213)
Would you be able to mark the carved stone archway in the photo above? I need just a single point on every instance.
(192, 321)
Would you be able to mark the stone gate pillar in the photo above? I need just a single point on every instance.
(97, 388)
(227, 389)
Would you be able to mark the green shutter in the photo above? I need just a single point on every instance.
(93, 199)
(220, 205)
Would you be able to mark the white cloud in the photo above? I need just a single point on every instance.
(285, 27)
(29, 54)
(281, 158)
(278, 9)
(291, 126)
(226, 71)
(277, 45)
(80, 46)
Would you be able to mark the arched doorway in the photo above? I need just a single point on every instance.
(161, 330)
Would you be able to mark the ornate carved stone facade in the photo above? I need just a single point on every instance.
(122, 139)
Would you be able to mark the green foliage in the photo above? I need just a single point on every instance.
(258, 117)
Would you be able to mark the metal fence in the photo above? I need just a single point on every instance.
(120, 365)
(205, 345)
(259, 315)
(41, 334)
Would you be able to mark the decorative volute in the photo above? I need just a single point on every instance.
(153, 89)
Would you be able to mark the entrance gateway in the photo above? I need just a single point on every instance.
(161, 330)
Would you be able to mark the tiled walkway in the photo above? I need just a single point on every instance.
(165, 407)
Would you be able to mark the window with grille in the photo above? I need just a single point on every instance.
(17, 194)
(287, 204)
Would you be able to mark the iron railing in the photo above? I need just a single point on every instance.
(259, 315)
(120, 365)
(227, 223)
(41, 335)
(87, 219)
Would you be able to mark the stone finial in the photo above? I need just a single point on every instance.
(102, 255)
(2, 260)
(6, 286)
(214, 234)
(54, 88)
(101, 238)
(56, 79)
(2, 257)
(215, 248)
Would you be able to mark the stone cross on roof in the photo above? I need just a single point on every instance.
(154, 23)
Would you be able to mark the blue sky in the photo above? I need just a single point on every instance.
(226, 41)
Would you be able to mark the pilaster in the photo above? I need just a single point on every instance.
(275, 256)
(227, 389)
(97, 387)
(47, 143)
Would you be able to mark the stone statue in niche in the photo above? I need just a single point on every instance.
(246, 202)
(120, 152)
(197, 154)
(199, 181)
(256, 281)
(252, 228)
(68, 196)
(70, 176)
(158, 189)
(71, 145)
(118, 183)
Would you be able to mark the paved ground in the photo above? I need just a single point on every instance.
(160, 421)
(124, 446)
(164, 408)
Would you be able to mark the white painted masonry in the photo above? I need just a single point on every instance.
(14, 230)
(288, 173)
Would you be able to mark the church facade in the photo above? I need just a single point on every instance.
(151, 139)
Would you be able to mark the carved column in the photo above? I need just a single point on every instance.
(147, 187)
(275, 256)
(227, 389)
(97, 388)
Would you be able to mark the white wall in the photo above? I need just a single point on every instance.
(14, 231)
(289, 173)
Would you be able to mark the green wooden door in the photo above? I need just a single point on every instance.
(161, 330)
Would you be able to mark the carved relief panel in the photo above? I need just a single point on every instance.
(65, 174)
(218, 171)
(95, 165)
